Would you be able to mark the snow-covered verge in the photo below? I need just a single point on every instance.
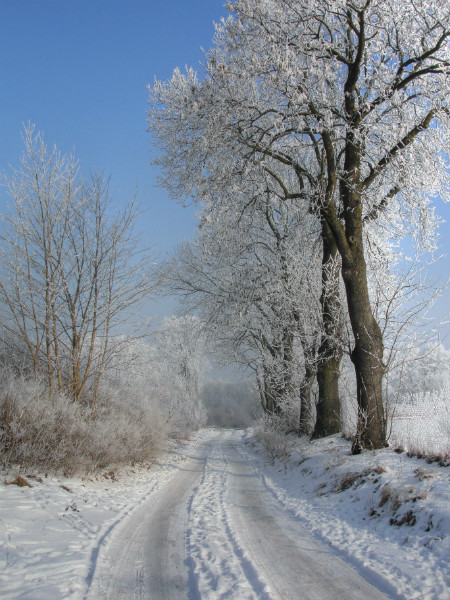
(51, 533)
(385, 512)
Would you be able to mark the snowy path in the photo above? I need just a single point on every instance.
(214, 531)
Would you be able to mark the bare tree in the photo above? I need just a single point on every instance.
(72, 269)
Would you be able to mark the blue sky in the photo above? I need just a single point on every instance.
(78, 70)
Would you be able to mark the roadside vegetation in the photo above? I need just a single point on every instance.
(314, 139)
(76, 394)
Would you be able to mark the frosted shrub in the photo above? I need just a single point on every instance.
(179, 365)
(56, 434)
(272, 434)
(149, 378)
(421, 424)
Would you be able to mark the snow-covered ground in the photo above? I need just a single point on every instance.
(51, 533)
(385, 515)
(385, 512)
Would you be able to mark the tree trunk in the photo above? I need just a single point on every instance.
(367, 357)
(270, 403)
(328, 420)
(306, 401)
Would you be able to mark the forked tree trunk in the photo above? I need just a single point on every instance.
(328, 419)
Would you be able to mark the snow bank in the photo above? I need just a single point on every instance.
(385, 512)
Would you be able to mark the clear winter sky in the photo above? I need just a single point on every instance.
(78, 70)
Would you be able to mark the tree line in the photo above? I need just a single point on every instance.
(314, 139)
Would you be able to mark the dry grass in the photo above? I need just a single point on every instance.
(409, 519)
(388, 495)
(347, 481)
(354, 479)
(58, 435)
(19, 481)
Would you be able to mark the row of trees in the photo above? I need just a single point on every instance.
(314, 140)
(80, 389)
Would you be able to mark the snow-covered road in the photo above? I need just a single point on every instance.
(215, 531)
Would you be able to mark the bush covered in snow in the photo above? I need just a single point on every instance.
(58, 435)
(148, 394)
(273, 435)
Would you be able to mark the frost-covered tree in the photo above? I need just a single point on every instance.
(180, 363)
(255, 281)
(350, 98)
(72, 270)
(162, 374)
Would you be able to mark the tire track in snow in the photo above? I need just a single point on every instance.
(217, 564)
(142, 556)
(214, 531)
(295, 565)
(105, 535)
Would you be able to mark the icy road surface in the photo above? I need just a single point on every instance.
(214, 531)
